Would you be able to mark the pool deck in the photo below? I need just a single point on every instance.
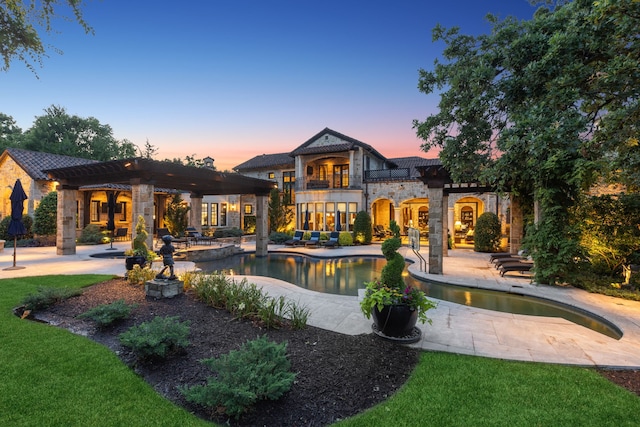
(455, 328)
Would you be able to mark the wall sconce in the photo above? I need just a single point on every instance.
(233, 206)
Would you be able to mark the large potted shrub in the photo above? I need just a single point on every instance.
(395, 306)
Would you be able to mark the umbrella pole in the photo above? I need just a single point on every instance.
(15, 243)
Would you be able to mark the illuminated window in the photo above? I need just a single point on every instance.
(248, 209)
(214, 214)
(341, 176)
(205, 214)
(272, 175)
(94, 211)
(288, 187)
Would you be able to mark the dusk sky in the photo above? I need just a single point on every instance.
(237, 78)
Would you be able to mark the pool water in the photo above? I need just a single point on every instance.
(344, 276)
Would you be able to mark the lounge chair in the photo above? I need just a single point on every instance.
(333, 240)
(296, 240)
(379, 232)
(314, 241)
(521, 267)
(121, 234)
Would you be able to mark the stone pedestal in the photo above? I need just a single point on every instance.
(161, 288)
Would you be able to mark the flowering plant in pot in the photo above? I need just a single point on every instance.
(395, 306)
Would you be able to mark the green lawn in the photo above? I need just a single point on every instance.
(51, 377)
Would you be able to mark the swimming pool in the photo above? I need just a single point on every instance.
(345, 275)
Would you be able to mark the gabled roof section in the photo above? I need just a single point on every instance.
(34, 162)
(267, 161)
(347, 144)
(414, 162)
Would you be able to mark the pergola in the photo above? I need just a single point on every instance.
(143, 175)
(440, 185)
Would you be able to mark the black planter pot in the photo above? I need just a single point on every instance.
(395, 320)
(130, 261)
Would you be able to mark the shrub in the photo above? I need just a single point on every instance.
(345, 239)
(392, 271)
(228, 232)
(176, 217)
(139, 276)
(91, 234)
(46, 215)
(4, 226)
(362, 228)
(46, 297)
(279, 238)
(258, 370)
(246, 300)
(486, 237)
(156, 338)
(106, 314)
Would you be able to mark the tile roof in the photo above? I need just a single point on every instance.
(267, 161)
(412, 162)
(35, 162)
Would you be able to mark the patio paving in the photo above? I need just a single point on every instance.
(455, 328)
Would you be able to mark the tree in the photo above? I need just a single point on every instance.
(541, 108)
(46, 215)
(279, 215)
(10, 133)
(60, 133)
(21, 23)
(176, 216)
(149, 151)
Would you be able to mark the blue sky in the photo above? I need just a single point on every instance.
(236, 78)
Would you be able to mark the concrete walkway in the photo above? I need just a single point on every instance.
(455, 328)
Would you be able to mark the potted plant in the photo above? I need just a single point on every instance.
(139, 254)
(395, 307)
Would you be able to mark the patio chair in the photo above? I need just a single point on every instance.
(121, 234)
(296, 240)
(333, 240)
(379, 232)
(314, 241)
(521, 267)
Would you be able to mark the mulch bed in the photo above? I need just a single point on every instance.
(338, 375)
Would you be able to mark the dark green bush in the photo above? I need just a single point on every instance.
(279, 238)
(46, 297)
(4, 227)
(258, 370)
(392, 271)
(362, 232)
(91, 235)
(156, 338)
(228, 232)
(46, 214)
(486, 236)
(345, 239)
(106, 314)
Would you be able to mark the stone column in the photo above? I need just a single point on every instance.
(262, 225)
(195, 213)
(66, 221)
(436, 215)
(517, 226)
(142, 205)
(445, 225)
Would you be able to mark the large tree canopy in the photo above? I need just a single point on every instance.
(22, 22)
(60, 133)
(541, 108)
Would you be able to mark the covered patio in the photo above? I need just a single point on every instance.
(143, 175)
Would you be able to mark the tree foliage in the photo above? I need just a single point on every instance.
(23, 21)
(543, 109)
(176, 217)
(10, 132)
(362, 232)
(46, 215)
(280, 216)
(60, 133)
(486, 236)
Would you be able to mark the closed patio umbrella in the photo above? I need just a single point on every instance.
(16, 226)
(305, 226)
(338, 222)
(111, 216)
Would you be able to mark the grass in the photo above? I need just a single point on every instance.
(51, 377)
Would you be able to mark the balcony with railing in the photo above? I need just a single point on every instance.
(386, 174)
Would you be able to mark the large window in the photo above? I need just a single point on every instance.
(94, 211)
(223, 214)
(322, 173)
(341, 176)
(205, 214)
(214, 214)
(288, 185)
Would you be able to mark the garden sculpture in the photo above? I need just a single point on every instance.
(166, 251)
